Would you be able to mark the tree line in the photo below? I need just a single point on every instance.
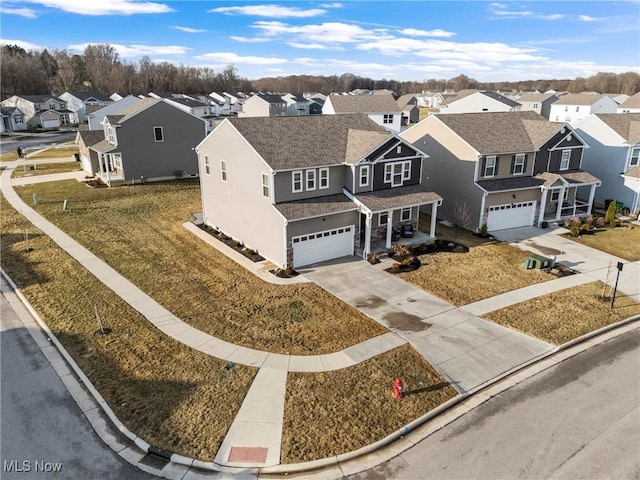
(99, 68)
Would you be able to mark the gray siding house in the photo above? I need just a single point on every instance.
(509, 169)
(302, 190)
(150, 140)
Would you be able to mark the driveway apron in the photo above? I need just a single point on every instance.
(467, 350)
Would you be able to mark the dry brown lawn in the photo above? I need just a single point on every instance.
(460, 235)
(9, 156)
(174, 397)
(485, 271)
(343, 410)
(567, 314)
(138, 231)
(60, 152)
(46, 169)
(623, 242)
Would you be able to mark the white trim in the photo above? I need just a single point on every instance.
(310, 175)
(523, 157)
(155, 137)
(223, 170)
(207, 165)
(293, 181)
(266, 185)
(380, 222)
(320, 179)
(562, 159)
(367, 169)
(402, 212)
(486, 164)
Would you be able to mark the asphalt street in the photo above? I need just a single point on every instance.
(579, 419)
(44, 434)
(10, 143)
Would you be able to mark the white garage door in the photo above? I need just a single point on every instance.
(50, 124)
(512, 215)
(321, 246)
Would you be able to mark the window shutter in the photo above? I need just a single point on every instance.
(484, 166)
(524, 168)
(513, 164)
(497, 163)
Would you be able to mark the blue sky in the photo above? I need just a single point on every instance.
(410, 40)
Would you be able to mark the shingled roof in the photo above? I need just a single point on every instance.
(578, 99)
(364, 104)
(501, 132)
(627, 125)
(307, 141)
(632, 102)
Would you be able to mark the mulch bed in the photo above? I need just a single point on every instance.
(230, 242)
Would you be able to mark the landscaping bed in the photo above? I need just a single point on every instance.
(174, 397)
(138, 231)
(567, 314)
(343, 410)
(230, 242)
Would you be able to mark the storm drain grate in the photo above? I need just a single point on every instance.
(154, 461)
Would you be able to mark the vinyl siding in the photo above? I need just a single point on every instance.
(284, 187)
(318, 224)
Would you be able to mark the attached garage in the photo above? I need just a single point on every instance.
(511, 215)
(321, 246)
(51, 123)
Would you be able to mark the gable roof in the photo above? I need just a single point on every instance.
(501, 132)
(406, 99)
(41, 98)
(363, 103)
(501, 98)
(361, 142)
(450, 98)
(304, 141)
(134, 108)
(87, 95)
(270, 97)
(579, 99)
(188, 102)
(627, 125)
(536, 97)
(632, 102)
(91, 137)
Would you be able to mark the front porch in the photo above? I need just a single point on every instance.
(379, 245)
(563, 196)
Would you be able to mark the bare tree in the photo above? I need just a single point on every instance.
(461, 217)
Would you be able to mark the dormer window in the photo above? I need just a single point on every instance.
(364, 176)
(635, 155)
(52, 106)
(564, 161)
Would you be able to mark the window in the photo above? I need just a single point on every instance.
(405, 214)
(111, 135)
(635, 155)
(158, 134)
(265, 185)
(117, 160)
(364, 176)
(396, 173)
(311, 179)
(555, 195)
(490, 166)
(52, 106)
(37, 107)
(535, 105)
(566, 108)
(399, 149)
(207, 165)
(519, 164)
(296, 181)
(567, 119)
(577, 109)
(387, 119)
(223, 170)
(383, 218)
(19, 120)
(406, 170)
(564, 161)
(323, 173)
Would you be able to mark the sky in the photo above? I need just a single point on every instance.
(399, 40)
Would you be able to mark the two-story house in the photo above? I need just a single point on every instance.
(382, 109)
(83, 103)
(196, 108)
(630, 105)
(408, 104)
(537, 102)
(614, 155)
(41, 111)
(474, 101)
(150, 140)
(12, 120)
(573, 108)
(95, 118)
(296, 104)
(264, 105)
(302, 190)
(509, 169)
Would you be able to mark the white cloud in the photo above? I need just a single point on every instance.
(22, 12)
(331, 5)
(269, 11)
(312, 46)
(22, 44)
(325, 33)
(105, 7)
(250, 40)
(512, 14)
(230, 57)
(553, 16)
(586, 18)
(414, 32)
(128, 51)
(188, 29)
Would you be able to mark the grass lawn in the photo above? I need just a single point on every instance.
(460, 235)
(9, 156)
(623, 242)
(485, 271)
(346, 409)
(174, 397)
(61, 152)
(47, 169)
(567, 314)
(138, 231)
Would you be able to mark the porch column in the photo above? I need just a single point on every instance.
(432, 227)
(389, 229)
(592, 194)
(543, 206)
(560, 202)
(367, 235)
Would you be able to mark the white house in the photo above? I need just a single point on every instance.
(194, 107)
(573, 108)
(537, 102)
(630, 105)
(94, 119)
(475, 101)
(83, 103)
(614, 156)
(382, 109)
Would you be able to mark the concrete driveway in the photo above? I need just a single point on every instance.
(594, 263)
(467, 350)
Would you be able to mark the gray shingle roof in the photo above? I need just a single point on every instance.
(361, 142)
(535, 97)
(102, 146)
(304, 141)
(579, 176)
(627, 125)
(390, 198)
(450, 98)
(498, 132)
(501, 98)
(188, 102)
(634, 172)
(512, 183)
(632, 102)
(315, 207)
(578, 99)
(41, 98)
(406, 99)
(87, 95)
(364, 104)
(91, 137)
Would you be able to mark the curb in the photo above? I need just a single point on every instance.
(333, 461)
